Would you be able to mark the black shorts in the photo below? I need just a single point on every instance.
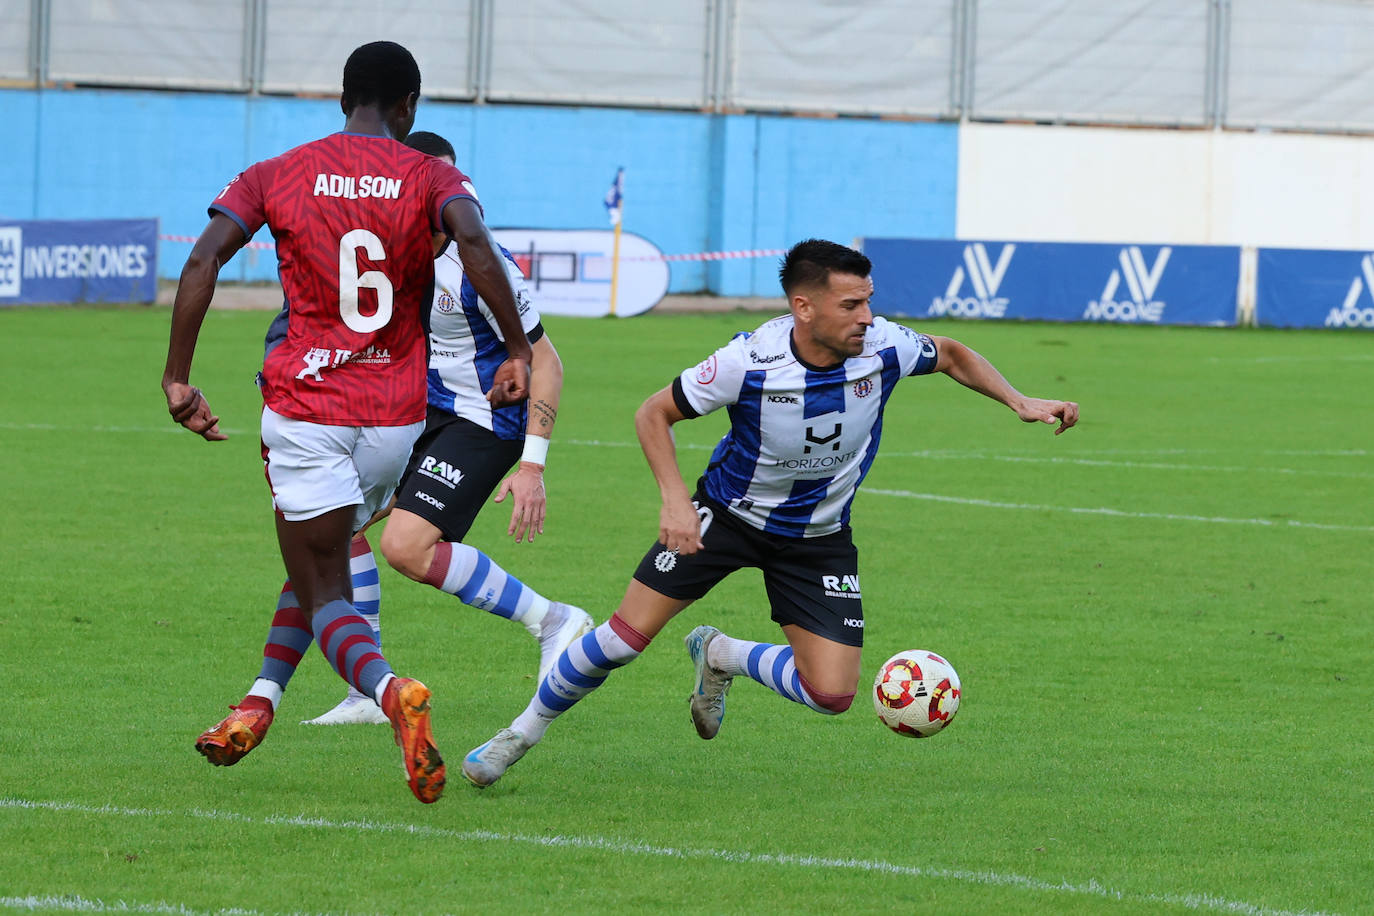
(454, 468)
(811, 582)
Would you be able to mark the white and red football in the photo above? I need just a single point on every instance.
(916, 693)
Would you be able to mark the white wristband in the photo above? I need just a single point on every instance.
(536, 450)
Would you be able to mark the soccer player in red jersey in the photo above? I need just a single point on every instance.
(344, 388)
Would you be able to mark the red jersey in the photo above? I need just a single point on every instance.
(352, 216)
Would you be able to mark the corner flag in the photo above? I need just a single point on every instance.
(615, 196)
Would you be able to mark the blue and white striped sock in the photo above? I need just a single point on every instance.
(471, 575)
(583, 667)
(367, 585)
(771, 665)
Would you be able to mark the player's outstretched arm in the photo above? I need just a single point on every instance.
(486, 268)
(526, 485)
(679, 526)
(968, 368)
(216, 245)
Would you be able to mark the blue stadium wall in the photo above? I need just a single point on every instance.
(694, 182)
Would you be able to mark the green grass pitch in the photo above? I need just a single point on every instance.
(1161, 618)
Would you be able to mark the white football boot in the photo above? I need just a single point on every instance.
(488, 763)
(562, 624)
(708, 695)
(355, 709)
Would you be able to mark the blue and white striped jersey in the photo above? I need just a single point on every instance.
(466, 347)
(801, 439)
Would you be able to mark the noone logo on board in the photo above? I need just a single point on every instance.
(1141, 283)
(1350, 314)
(984, 277)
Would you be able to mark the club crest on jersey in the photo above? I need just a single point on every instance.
(863, 388)
(445, 303)
(706, 371)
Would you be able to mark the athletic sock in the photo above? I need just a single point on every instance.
(772, 666)
(288, 639)
(583, 667)
(367, 585)
(266, 690)
(347, 642)
(471, 575)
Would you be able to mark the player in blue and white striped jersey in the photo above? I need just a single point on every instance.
(801, 436)
(805, 394)
(467, 447)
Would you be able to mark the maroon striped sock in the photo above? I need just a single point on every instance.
(287, 640)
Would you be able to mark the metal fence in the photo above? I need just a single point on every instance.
(1287, 64)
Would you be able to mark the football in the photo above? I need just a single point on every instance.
(916, 693)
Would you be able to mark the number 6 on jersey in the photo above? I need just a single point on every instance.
(350, 281)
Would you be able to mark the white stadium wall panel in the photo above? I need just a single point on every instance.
(620, 52)
(1135, 61)
(1301, 64)
(306, 44)
(1084, 184)
(184, 43)
(881, 57)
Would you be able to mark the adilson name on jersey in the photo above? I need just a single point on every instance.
(356, 187)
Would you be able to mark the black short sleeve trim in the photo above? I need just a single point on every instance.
(680, 399)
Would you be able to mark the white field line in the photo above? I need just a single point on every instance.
(1133, 465)
(1089, 888)
(1115, 513)
(1349, 357)
(73, 428)
(978, 455)
(943, 454)
(71, 903)
(987, 503)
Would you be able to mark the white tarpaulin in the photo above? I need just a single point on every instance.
(1302, 63)
(307, 43)
(883, 56)
(617, 51)
(197, 43)
(1083, 60)
(14, 41)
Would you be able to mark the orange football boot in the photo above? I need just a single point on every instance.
(241, 731)
(406, 704)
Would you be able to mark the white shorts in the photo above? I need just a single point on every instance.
(313, 469)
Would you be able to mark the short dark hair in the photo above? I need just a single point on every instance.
(431, 144)
(380, 73)
(812, 261)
